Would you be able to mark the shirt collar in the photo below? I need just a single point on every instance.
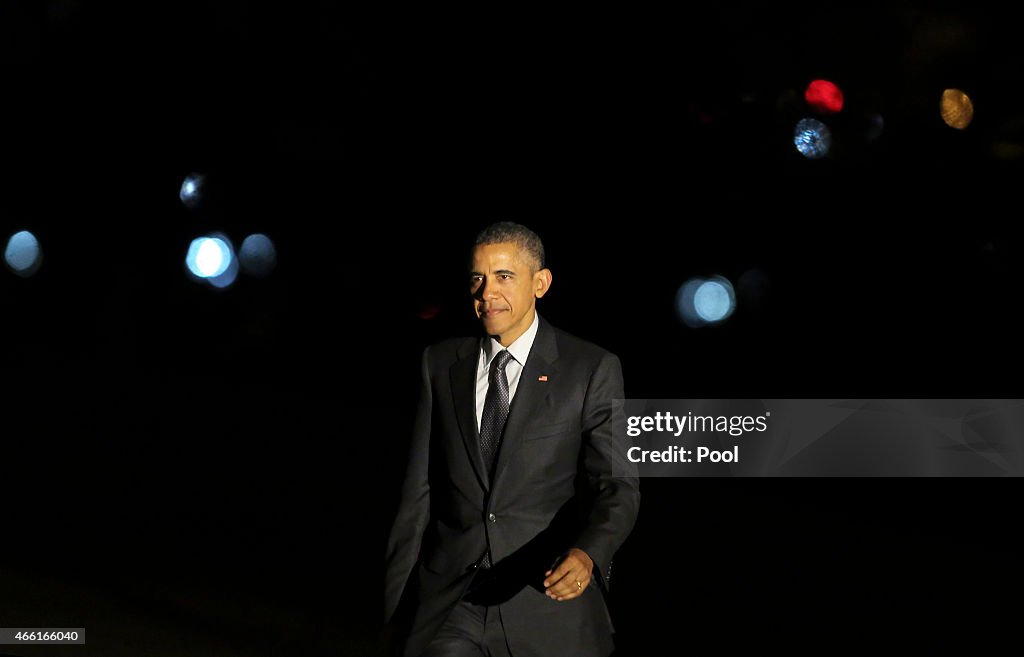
(520, 349)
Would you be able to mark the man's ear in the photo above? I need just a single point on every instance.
(541, 282)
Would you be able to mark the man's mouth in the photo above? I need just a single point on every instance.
(490, 312)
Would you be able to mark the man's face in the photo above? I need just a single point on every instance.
(505, 288)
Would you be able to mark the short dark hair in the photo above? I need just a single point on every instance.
(521, 236)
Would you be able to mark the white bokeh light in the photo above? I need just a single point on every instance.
(209, 257)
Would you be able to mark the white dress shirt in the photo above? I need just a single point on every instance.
(489, 348)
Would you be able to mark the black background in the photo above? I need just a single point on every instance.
(216, 471)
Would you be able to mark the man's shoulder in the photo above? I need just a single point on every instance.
(576, 347)
(451, 349)
(568, 345)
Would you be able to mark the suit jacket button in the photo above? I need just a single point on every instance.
(492, 517)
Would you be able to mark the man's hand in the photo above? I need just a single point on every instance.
(571, 577)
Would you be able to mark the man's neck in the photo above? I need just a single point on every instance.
(507, 339)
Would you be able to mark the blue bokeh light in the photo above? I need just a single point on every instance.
(192, 190)
(257, 255)
(812, 138)
(225, 278)
(23, 253)
(705, 301)
(876, 124)
(711, 301)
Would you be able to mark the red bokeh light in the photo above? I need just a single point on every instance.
(428, 311)
(824, 96)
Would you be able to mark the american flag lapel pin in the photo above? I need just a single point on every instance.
(543, 377)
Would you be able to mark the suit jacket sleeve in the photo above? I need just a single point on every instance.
(615, 500)
(413, 514)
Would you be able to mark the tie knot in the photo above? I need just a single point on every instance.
(501, 360)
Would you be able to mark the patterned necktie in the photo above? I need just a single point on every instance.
(492, 422)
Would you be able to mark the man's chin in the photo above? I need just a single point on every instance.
(493, 329)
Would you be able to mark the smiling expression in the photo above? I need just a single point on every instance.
(505, 284)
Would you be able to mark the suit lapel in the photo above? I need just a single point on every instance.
(463, 379)
(530, 395)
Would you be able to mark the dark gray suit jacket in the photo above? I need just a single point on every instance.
(552, 489)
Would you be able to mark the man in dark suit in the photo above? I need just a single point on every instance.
(509, 508)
